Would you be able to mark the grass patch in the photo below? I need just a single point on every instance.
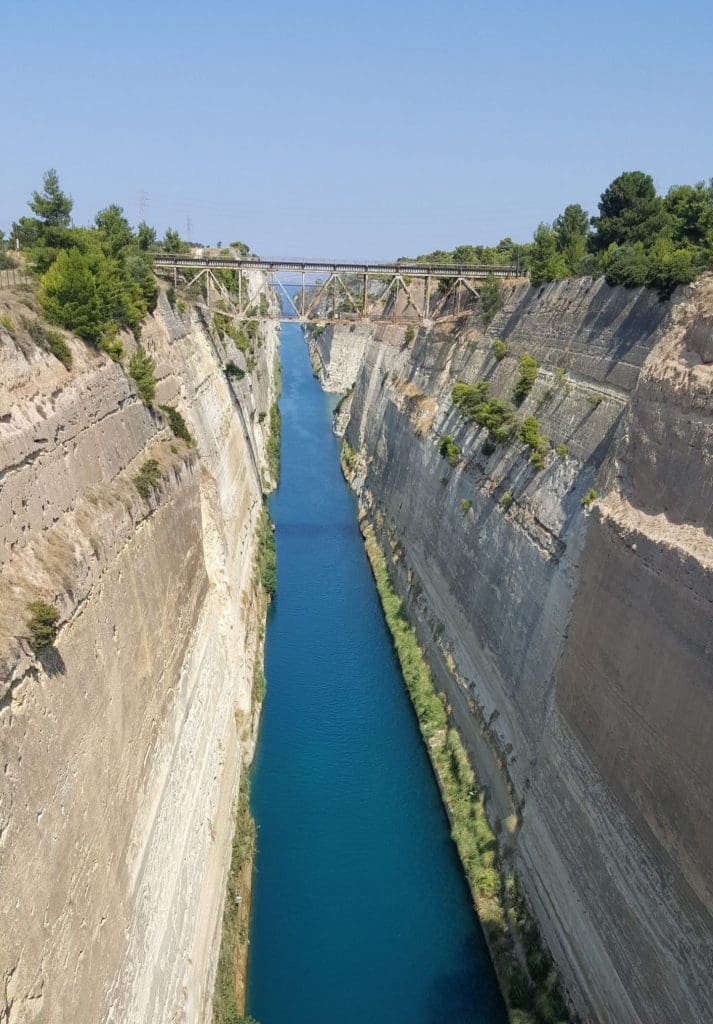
(51, 341)
(177, 424)
(147, 478)
(532, 997)
(8, 325)
(562, 450)
(235, 917)
(42, 625)
(588, 498)
(595, 400)
(466, 504)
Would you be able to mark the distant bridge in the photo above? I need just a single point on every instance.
(395, 292)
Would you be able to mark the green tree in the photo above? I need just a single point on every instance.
(571, 228)
(115, 228)
(145, 236)
(141, 367)
(52, 206)
(628, 265)
(546, 263)
(68, 295)
(172, 242)
(629, 211)
(690, 208)
(491, 298)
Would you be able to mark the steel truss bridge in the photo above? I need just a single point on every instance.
(399, 292)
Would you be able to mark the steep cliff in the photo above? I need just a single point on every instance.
(121, 747)
(573, 641)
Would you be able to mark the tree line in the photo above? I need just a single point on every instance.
(638, 237)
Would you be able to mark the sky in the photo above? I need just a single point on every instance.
(350, 130)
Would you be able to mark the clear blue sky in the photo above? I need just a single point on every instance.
(351, 129)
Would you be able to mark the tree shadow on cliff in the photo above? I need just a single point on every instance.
(52, 662)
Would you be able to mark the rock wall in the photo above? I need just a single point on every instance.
(575, 647)
(121, 749)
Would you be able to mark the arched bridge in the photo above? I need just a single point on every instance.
(333, 291)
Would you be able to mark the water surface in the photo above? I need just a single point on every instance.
(361, 914)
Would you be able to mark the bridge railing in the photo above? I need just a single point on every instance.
(441, 270)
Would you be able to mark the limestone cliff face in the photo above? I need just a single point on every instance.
(575, 647)
(121, 751)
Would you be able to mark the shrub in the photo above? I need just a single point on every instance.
(110, 344)
(147, 478)
(595, 399)
(52, 341)
(562, 450)
(526, 379)
(266, 553)
(536, 441)
(494, 414)
(449, 449)
(181, 306)
(233, 371)
(500, 349)
(69, 297)
(560, 377)
(141, 368)
(178, 424)
(409, 335)
(466, 504)
(42, 625)
(8, 325)
(506, 501)
(171, 295)
(588, 498)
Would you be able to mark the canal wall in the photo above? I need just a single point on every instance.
(571, 636)
(122, 746)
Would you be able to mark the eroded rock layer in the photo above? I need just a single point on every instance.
(575, 646)
(121, 749)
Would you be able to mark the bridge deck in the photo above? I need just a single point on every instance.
(470, 271)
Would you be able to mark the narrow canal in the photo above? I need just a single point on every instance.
(360, 910)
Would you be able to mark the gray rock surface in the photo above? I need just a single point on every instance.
(121, 752)
(575, 647)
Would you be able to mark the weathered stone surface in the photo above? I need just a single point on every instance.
(575, 648)
(121, 752)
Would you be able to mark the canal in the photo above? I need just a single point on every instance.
(361, 914)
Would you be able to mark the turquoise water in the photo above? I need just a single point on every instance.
(361, 914)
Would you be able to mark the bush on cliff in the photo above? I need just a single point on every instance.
(526, 379)
(141, 368)
(42, 625)
(448, 449)
(273, 442)
(535, 440)
(147, 478)
(496, 415)
(177, 424)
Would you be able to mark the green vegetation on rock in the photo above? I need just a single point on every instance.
(266, 553)
(449, 449)
(535, 440)
(42, 625)
(273, 442)
(147, 478)
(500, 349)
(141, 367)
(52, 341)
(526, 379)
(235, 916)
(177, 424)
